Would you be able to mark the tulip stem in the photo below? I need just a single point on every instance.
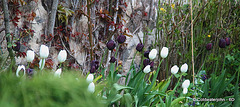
(117, 51)
(177, 83)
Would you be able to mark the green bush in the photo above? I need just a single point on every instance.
(45, 90)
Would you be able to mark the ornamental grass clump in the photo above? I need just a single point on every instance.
(43, 90)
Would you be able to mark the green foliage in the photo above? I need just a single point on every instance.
(45, 91)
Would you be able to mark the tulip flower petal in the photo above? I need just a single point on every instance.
(62, 56)
(186, 84)
(58, 72)
(164, 52)
(90, 78)
(20, 67)
(185, 90)
(184, 68)
(91, 87)
(152, 54)
(147, 69)
(30, 55)
(174, 69)
(44, 51)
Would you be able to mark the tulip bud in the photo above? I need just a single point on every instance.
(95, 63)
(90, 78)
(112, 60)
(222, 43)
(139, 47)
(146, 62)
(147, 69)
(152, 54)
(93, 69)
(44, 51)
(17, 47)
(62, 56)
(164, 52)
(227, 39)
(20, 67)
(91, 87)
(30, 56)
(186, 84)
(146, 54)
(185, 90)
(209, 46)
(174, 69)
(184, 68)
(121, 39)
(30, 72)
(111, 45)
(58, 72)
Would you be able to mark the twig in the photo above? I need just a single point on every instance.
(90, 29)
(192, 39)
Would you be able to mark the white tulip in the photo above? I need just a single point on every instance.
(90, 78)
(44, 51)
(41, 63)
(30, 56)
(147, 69)
(62, 56)
(184, 68)
(20, 67)
(152, 54)
(91, 87)
(185, 90)
(186, 84)
(58, 72)
(174, 69)
(164, 52)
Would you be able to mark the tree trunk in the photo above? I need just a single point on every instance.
(52, 18)
(7, 33)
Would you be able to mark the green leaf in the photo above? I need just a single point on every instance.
(128, 99)
(120, 87)
(116, 98)
(176, 101)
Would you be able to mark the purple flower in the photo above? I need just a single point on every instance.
(30, 72)
(222, 43)
(146, 62)
(204, 77)
(111, 45)
(121, 39)
(227, 39)
(95, 63)
(146, 54)
(139, 47)
(112, 60)
(93, 69)
(209, 46)
(94, 66)
(17, 47)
